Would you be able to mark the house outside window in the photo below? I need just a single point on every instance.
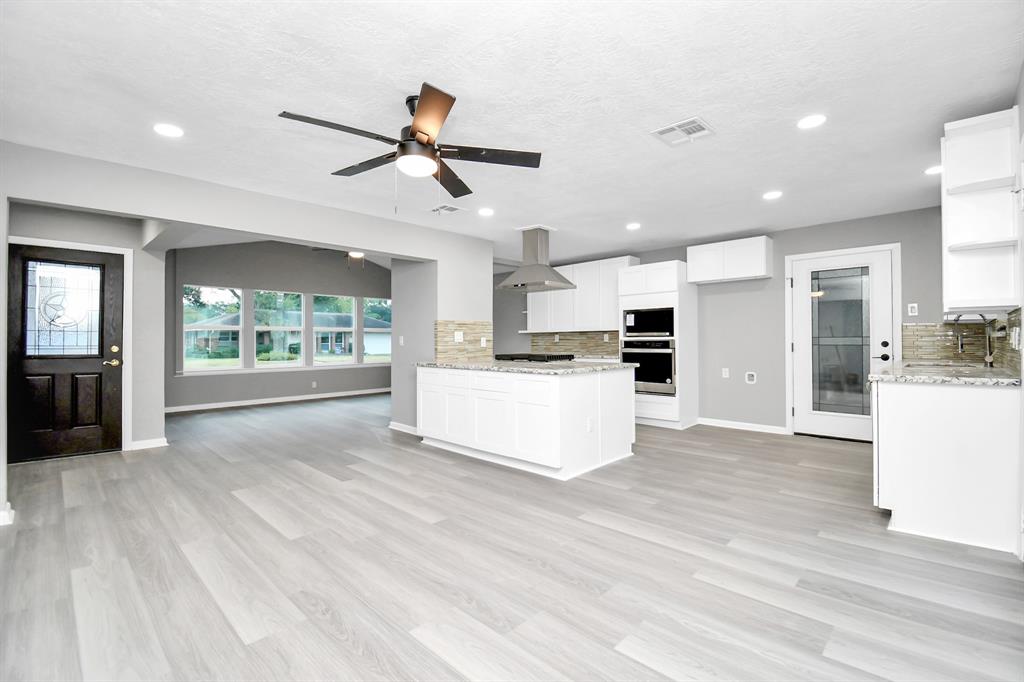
(376, 330)
(278, 328)
(212, 325)
(333, 330)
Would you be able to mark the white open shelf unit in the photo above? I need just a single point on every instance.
(980, 234)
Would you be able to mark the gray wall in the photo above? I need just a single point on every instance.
(509, 319)
(413, 312)
(147, 292)
(275, 266)
(742, 324)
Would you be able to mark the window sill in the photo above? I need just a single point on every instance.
(274, 370)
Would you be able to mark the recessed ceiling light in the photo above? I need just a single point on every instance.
(168, 130)
(356, 254)
(772, 196)
(812, 121)
(486, 212)
(633, 227)
(933, 170)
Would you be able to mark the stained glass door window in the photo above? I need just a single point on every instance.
(62, 309)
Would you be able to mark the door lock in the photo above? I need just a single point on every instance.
(114, 349)
(113, 363)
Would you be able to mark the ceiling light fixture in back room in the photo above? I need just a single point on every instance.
(417, 152)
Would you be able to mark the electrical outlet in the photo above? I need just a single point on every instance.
(556, 338)
(911, 310)
(401, 340)
(606, 338)
(459, 337)
(314, 384)
(483, 342)
(750, 377)
(725, 372)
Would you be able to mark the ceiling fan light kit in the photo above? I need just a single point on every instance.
(417, 153)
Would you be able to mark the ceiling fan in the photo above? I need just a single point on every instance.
(418, 153)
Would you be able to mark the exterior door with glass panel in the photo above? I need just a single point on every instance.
(64, 352)
(842, 331)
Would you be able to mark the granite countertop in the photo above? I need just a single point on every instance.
(555, 368)
(925, 372)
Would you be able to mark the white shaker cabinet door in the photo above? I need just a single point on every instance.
(587, 304)
(538, 311)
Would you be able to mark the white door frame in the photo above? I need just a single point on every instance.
(897, 308)
(126, 323)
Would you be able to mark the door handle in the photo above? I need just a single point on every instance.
(113, 363)
(883, 356)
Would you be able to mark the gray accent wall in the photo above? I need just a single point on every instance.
(413, 313)
(274, 266)
(509, 318)
(742, 324)
(147, 353)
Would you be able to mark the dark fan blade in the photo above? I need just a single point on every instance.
(338, 126)
(450, 181)
(367, 165)
(431, 111)
(507, 157)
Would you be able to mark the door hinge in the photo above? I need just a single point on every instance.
(790, 282)
(792, 346)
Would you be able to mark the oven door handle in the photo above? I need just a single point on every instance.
(647, 350)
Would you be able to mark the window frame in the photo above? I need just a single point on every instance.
(213, 327)
(257, 328)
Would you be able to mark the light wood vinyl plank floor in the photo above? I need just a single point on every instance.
(309, 541)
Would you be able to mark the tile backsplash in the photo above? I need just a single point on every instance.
(926, 341)
(446, 348)
(577, 343)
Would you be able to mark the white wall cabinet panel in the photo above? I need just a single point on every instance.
(587, 298)
(608, 296)
(538, 311)
(591, 306)
(705, 263)
(980, 221)
(651, 278)
(738, 259)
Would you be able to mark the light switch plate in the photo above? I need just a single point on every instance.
(401, 340)
(750, 377)
(483, 342)
(459, 337)
(725, 372)
(911, 310)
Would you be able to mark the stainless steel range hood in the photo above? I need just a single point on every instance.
(535, 274)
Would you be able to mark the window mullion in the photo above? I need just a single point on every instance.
(248, 336)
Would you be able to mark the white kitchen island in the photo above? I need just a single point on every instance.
(555, 419)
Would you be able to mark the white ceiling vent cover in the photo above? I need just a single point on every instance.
(445, 208)
(684, 131)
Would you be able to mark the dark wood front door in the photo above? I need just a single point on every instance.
(64, 352)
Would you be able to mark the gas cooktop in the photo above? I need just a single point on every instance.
(535, 357)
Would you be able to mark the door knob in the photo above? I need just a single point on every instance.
(883, 356)
(113, 363)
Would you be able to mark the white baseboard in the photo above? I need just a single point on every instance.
(6, 515)
(404, 428)
(270, 401)
(145, 444)
(744, 426)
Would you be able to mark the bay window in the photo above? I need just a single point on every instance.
(212, 325)
(333, 330)
(278, 325)
(376, 329)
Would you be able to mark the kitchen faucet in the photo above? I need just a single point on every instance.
(959, 336)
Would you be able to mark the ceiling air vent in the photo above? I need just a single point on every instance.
(684, 131)
(445, 208)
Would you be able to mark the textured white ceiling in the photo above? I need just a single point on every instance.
(584, 83)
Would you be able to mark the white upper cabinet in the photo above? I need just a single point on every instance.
(652, 278)
(980, 217)
(737, 259)
(591, 306)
